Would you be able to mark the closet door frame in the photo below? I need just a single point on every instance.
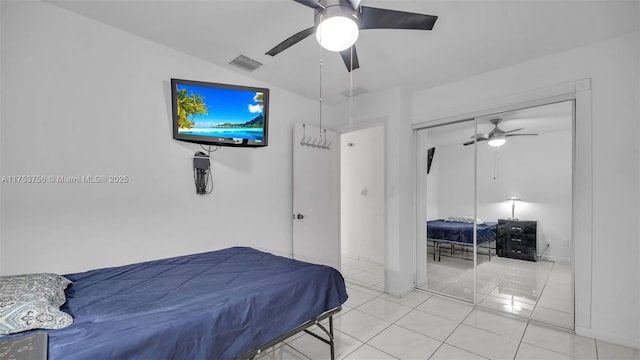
(420, 246)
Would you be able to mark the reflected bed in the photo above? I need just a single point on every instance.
(459, 235)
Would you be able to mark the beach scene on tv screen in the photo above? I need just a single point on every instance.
(220, 113)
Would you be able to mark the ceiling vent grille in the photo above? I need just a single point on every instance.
(246, 63)
(355, 92)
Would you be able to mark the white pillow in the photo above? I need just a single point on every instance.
(464, 219)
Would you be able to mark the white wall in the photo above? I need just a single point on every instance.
(362, 194)
(391, 108)
(81, 98)
(455, 173)
(615, 314)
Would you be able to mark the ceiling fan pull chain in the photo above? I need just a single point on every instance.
(496, 165)
(351, 90)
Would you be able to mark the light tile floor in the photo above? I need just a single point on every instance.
(539, 290)
(373, 325)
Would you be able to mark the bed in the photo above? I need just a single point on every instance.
(459, 234)
(227, 304)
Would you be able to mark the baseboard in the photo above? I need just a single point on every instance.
(399, 292)
(587, 332)
(346, 256)
(556, 259)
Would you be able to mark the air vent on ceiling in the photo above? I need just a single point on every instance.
(355, 92)
(246, 63)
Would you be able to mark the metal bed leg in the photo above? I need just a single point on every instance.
(434, 251)
(329, 333)
(251, 354)
(332, 344)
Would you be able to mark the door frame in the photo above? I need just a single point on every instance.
(582, 208)
(362, 125)
(314, 163)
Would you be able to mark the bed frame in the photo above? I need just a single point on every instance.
(121, 308)
(437, 248)
(251, 354)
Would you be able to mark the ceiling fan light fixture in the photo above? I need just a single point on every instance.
(497, 140)
(337, 28)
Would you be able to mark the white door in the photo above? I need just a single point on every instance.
(316, 197)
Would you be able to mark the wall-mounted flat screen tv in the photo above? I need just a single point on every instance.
(219, 114)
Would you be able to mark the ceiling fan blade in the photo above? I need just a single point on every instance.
(480, 136)
(374, 18)
(346, 57)
(311, 3)
(510, 131)
(521, 135)
(292, 40)
(355, 3)
(472, 141)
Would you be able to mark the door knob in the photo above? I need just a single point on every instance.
(299, 216)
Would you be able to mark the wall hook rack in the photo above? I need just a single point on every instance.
(314, 142)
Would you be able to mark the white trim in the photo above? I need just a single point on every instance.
(400, 292)
(496, 110)
(583, 205)
(531, 98)
(588, 332)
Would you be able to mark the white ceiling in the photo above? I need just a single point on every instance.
(470, 37)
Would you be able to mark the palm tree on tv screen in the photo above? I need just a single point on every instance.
(189, 105)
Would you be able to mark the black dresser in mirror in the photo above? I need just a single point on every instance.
(517, 239)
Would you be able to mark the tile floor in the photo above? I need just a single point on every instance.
(373, 325)
(539, 290)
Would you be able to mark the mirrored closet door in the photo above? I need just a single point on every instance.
(447, 188)
(496, 204)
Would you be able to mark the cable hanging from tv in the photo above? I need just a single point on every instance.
(201, 173)
(314, 142)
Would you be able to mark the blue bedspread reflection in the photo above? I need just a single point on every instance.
(460, 232)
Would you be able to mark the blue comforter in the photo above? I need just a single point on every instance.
(459, 232)
(213, 305)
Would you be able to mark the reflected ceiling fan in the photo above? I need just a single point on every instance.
(338, 22)
(497, 137)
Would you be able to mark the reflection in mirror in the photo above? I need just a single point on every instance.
(447, 212)
(525, 185)
(513, 177)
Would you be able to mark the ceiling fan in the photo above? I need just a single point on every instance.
(497, 137)
(338, 22)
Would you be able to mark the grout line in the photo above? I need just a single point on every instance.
(382, 351)
(545, 325)
(521, 338)
(378, 333)
(283, 346)
(546, 281)
(448, 336)
(347, 335)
